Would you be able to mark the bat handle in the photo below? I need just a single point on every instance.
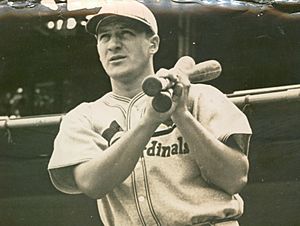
(162, 102)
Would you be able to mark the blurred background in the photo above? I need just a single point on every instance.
(49, 64)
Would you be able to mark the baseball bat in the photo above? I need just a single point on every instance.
(161, 88)
(201, 72)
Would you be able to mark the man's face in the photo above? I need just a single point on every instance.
(123, 51)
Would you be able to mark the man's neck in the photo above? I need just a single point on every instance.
(129, 88)
(130, 93)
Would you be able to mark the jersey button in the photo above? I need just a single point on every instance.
(141, 198)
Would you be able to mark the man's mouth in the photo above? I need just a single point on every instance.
(115, 59)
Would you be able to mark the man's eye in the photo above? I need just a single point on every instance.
(127, 32)
(103, 37)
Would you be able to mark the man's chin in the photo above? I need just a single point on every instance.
(119, 74)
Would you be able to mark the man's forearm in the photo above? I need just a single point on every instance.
(112, 166)
(220, 164)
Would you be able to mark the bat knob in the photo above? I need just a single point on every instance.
(162, 102)
(152, 86)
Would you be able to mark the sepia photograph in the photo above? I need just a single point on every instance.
(149, 112)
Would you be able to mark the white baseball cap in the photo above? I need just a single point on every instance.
(130, 8)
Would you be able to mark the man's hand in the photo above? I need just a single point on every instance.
(179, 93)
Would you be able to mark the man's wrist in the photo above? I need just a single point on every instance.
(150, 122)
(179, 116)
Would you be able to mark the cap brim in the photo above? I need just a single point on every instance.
(93, 22)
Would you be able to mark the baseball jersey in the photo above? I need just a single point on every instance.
(166, 187)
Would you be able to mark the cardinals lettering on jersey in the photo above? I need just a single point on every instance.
(157, 149)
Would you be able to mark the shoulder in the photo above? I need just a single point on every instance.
(206, 95)
(217, 113)
(205, 90)
(211, 103)
(82, 112)
(75, 118)
(86, 108)
(87, 113)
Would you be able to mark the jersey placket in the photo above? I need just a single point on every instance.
(139, 175)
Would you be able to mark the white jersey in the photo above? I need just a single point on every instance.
(166, 186)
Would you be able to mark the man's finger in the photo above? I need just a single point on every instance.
(178, 89)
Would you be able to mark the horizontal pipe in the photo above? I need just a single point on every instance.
(50, 120)
(267, 98)
(263, 90)
(291, 95)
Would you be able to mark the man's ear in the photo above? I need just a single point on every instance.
(154, 44)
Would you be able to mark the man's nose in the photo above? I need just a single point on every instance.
(114, 42)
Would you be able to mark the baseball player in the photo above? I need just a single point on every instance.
(181, 167)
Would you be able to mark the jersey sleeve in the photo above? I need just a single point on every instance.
(220, 116)
(76, 142)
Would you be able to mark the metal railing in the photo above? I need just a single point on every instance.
(261, 96)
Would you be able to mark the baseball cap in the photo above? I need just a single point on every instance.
(130, 8)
